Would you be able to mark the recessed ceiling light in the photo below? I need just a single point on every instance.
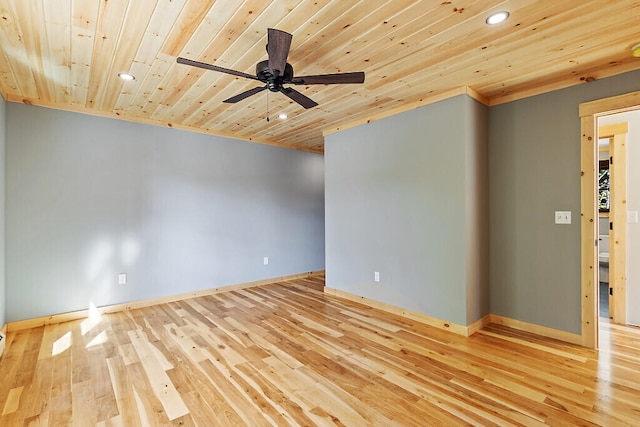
(282, 116)
(635, 51)
(497, 18)
(126, 76)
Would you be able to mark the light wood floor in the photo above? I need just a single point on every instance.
(286, 354)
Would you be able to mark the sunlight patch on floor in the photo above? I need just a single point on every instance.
(61, 344)
(101, 338)
(92, 320)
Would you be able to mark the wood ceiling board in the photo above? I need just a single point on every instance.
(412, 53)
(466, 61)
(83, 26)
(548, 84)
(227, 38)
(152, 66)
(57, 21)
(312, 55)
(587, 63)
(447, 49)
(36, 40)
(17, 53)
(109, 26)
(10, 49)
(132, 34)
(191, 16)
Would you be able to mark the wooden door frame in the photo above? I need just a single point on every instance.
(589, 112)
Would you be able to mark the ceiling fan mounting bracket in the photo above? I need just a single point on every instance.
(274, 84)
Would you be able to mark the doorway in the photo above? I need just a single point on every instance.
(612, 216)
(589, 114)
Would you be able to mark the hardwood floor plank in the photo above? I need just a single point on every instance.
(203, 414)
(61, 401)
(51, 334)
(287, 354)
(123, 392)
(150, 410)
(11, 361)
(234, 395)
(13, 400)
(293, 412)
(83, 404)
(185, 420)
(38, 393)
(155, 366)
(205, 401)
(41, 420)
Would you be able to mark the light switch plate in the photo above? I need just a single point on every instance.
(563, 217)
(632, 217)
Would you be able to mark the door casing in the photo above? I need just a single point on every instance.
(589, 112)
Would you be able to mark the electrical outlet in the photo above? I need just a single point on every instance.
(122, 279)
(563, 217)
(376, 276)
(266, 260)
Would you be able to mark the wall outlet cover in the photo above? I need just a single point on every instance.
(563, 217)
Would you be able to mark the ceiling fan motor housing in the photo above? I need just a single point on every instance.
(273, 83)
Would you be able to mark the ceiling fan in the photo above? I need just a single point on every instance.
(275, 72)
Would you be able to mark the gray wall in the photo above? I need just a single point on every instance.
(3, 126)
(88, 198)
(398, 201)
(476, 209)
(534, 163)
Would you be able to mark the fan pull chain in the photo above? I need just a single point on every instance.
(267, 106)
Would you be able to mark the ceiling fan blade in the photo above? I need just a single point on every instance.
(215, 68)
(330, 79)
(243, 95)
(278, 45)
(299, 98)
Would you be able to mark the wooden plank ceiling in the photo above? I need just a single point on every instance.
(66, 54)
